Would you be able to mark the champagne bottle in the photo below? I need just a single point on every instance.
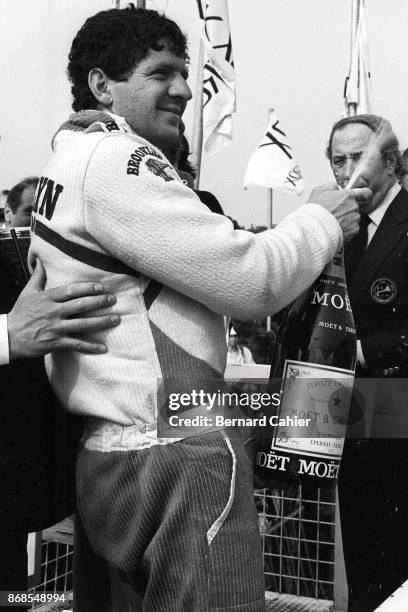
(314, 361)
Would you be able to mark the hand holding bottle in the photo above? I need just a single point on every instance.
(343, 204)
(313, 359)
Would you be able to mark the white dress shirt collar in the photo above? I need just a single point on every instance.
(376, 216)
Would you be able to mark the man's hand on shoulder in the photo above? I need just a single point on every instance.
(343, 204)
(42, 321)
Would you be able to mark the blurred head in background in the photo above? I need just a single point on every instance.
(3, 199)
(404, 170)
(20, 202)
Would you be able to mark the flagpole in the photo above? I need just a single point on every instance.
(355, 12)
(269, 225)
(197, 135)
(139, 4)
(269, 219)
(270, 208)
(270, 190)
(341, 590)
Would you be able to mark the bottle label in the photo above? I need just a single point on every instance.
(319, 396)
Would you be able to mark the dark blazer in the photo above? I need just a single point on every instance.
(379, 294)
(37, 441)
(373, 502)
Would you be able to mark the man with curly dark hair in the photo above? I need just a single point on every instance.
(171, 511)
(116, 43)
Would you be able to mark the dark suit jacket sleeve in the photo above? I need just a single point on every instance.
(38, 441)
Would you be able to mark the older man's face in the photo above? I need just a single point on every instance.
(354, 146)
(154, 98)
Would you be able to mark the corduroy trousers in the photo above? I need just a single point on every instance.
(176, 524)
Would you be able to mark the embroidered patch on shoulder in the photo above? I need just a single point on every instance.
(153, 160)
(383, 291)
(159, 169)
(111, 126)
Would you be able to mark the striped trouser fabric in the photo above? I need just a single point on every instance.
(177, 524)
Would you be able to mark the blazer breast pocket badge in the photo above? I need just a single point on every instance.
(383, 291)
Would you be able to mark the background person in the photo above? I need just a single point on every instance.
(19, 204)
(3, 199)
(373, 497)
(179, 157)
(37, 439)
(404, 170)
(237, 352)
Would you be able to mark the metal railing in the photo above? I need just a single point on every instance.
(297, 528)
(56, 569)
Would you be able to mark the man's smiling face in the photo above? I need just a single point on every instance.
(154, 98)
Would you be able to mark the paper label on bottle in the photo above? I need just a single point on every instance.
(315, 402)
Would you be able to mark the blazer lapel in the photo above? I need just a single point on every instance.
(392, 228)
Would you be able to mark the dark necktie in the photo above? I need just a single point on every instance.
(357, 247)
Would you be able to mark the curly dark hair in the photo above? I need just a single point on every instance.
(389, 142)
(183, 153)
(116, 41)
(15, 193)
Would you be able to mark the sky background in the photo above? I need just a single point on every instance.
(291, 55)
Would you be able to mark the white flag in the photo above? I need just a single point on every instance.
(272, 164)
(218, 75)
(358, 83)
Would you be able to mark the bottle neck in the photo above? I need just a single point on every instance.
(336, 266)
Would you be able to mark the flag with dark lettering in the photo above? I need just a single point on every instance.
(272, 164)
(218, 75)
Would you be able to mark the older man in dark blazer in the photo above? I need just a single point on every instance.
(373, 493)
